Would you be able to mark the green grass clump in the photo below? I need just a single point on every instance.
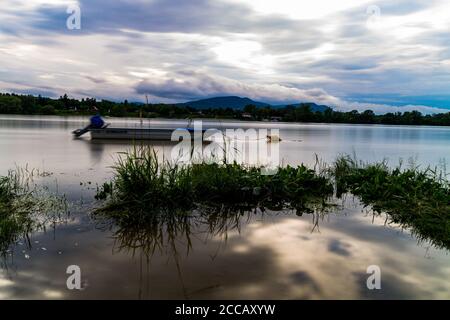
(419, 199)
(24, 209)
(14, 222)
(142, 182)
(147, 192)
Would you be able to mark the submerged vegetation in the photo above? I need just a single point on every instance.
(414, 198)
(24, 208)
(146, 193)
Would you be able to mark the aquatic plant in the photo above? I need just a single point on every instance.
(151, 205)
(13, 223)
(146, 191)
(24, 208)
(143, 182)
(414, 198)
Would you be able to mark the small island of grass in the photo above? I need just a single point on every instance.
(142, 188)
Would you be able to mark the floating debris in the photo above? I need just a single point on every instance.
(273, 138)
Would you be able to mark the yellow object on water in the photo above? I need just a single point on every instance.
(273, 138)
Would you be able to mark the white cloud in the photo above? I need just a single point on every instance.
(285, 50)
(385, 108)
(188, 85)
(302, 9)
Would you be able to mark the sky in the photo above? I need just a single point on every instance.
(386, 56)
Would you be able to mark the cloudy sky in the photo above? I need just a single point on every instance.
(352, 54)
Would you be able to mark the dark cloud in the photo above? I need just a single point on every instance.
(340, 248)
(304, 279)
(392, 288)
(170, 36)
(189, 85)
(105, 16)
(95, 79)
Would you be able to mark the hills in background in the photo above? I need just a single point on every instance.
(312, 106)
(238, 103)
(219, 107)
(232, 102)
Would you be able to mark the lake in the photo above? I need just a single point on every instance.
(259, 255)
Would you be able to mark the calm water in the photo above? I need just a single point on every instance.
(270, 255)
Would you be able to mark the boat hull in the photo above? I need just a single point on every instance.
(137, 134)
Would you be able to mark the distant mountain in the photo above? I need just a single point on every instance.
(232, 102)
(314, 107)
(239, 103)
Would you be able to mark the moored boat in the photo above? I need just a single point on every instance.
(141, 133)
(101, 130)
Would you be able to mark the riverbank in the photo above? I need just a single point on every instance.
(296, 113)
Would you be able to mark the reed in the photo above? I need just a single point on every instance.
(14, 222)
(24, 207)
(412, 197)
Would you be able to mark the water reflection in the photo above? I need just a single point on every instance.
(255, 255)
(274, 255)
(161, 231)
(205, 238)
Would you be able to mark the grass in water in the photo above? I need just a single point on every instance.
(23, 208)
(13, 222)
(150, 203)
(414, 198)
(142, 182)
(147, 192)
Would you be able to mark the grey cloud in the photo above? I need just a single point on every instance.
(105, 16)
(95, 79)
(402, 7)
(339, 247)
(176, 35)
(188, 85)
(304, 279)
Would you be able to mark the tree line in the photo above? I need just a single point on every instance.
(28, 104)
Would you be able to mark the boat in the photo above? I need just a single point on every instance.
(101, 130)
(141, 133)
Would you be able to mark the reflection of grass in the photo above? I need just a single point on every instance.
(419, 199)
(23, 209)
(153, 203)
(147, 197)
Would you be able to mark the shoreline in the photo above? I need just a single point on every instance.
(23, 117)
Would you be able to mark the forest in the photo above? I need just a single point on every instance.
(303, 112)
